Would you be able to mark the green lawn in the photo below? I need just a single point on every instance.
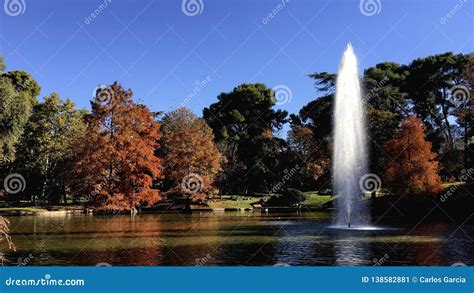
(25, 210)
(315, 200)
(231, 202)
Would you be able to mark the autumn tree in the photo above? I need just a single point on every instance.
(413, 167)
(116, 163)
(191, 160)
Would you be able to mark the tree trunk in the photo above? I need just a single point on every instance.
(446, 121)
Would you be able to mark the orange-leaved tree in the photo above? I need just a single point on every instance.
(413, 168)
(191, 159)
(116, 164)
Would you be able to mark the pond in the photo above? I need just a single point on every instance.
(231, 239)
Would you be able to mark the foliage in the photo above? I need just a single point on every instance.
(428, 85)
(45, 148)
(24, 83)
(117, 165)
(413, 166)
(15, 111)
(243, 122)
(188, 148)
(289, 197)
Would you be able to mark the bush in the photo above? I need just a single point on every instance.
(288, 197)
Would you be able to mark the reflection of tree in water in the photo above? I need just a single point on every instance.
(194, 240)
(128, 240)
(247, 242)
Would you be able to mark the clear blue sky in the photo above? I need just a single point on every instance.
(154, 48)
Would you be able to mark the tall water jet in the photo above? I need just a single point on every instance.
(349, 157)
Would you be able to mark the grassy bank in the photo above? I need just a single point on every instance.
(233, 202)
(316, 201)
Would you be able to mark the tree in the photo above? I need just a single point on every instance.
(428, 86)
(45, 147)
(311, 133)
(2, 64)
(413, 167)
(116, 163)
(191, 159)
(311, 158)
(243, 122)
(24, 82)
(465, 113)
(18, 91)
(15, 111)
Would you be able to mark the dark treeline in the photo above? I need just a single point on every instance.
(121, 156)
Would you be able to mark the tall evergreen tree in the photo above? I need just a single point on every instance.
(243, 122)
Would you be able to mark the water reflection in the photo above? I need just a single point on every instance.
(231, 239)
(349, 250)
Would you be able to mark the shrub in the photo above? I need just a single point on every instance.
(288, 197)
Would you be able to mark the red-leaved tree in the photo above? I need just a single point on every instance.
(116, 163)
(413, 168)
(191, 159)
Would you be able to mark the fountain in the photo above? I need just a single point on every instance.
(349, 157)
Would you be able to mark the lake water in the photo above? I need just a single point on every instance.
(231, 239)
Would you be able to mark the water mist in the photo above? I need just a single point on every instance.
(349, 157)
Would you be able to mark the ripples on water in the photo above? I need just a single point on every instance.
(229, 238)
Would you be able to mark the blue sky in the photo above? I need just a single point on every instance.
(154, 48)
